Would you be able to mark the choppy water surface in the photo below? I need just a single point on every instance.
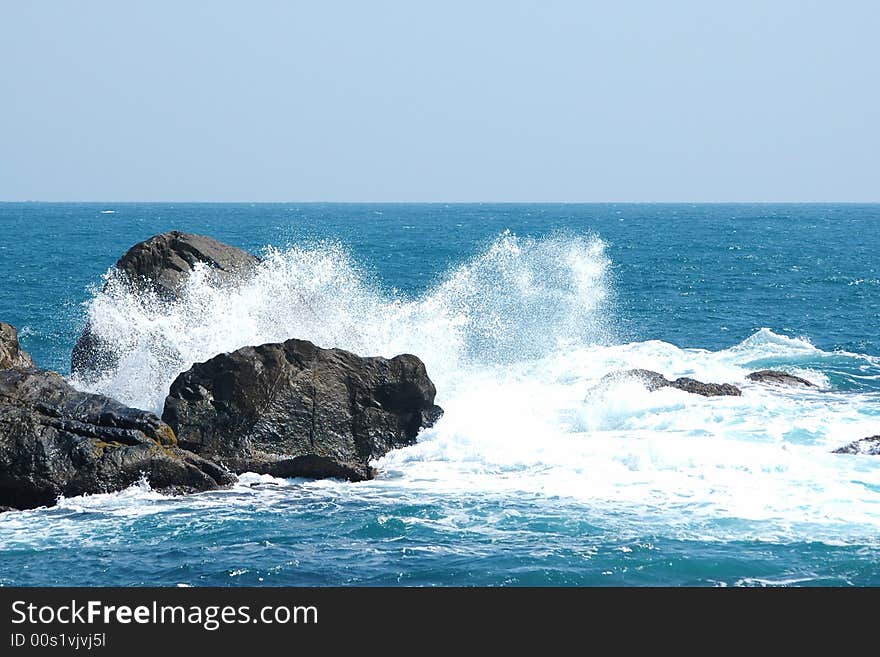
(536, 474)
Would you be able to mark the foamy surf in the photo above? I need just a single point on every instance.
(517, 341)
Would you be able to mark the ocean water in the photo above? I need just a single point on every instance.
(536, 474)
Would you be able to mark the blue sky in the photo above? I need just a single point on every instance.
(440, 101)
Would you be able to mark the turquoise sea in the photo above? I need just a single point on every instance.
(536, 475)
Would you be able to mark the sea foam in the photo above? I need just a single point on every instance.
(517, 340)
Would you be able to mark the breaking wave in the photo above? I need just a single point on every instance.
(521, 299)
(517, 341)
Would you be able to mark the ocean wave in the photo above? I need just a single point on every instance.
(520, 299)
(517, 341)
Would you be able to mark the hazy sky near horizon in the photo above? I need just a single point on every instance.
(440, 101)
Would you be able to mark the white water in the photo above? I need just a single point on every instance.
(516, 342)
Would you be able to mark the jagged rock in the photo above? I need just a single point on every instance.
(778, 377)
(292, 409)
(55, 440)
(160, 264)
(654, 381)
(11, 354)
(868, 446)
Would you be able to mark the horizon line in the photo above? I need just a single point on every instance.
(407, 202)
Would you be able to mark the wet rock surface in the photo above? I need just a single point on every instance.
(55, 440)
(655, 381)
(778, 377)
(11, 354)
(292, 409)
(164, 262)
(868, 446)
(160, 264)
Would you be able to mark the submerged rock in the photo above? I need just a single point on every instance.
(654, 381)
(292, 409)
(650, 379)
(11, 354)
(55, 440)
(778, 377)
(868, 446)
(705, 389)
(160, 264)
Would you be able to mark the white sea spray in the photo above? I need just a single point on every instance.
(517, 341)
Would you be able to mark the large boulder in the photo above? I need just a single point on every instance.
(292, 409)
(868, 446)
(779, 378)
(11, 354)
(160, 264)
(163, 262)
(55, 440)
(654, 381)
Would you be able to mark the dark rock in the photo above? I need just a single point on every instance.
(91, 356)
(705, 389)
(160, 264)
(11, 354)
(163, 262)
(654, 381)
(867, 446)
(292, 409)
(651, 380)
(778, 377)
(55, 440)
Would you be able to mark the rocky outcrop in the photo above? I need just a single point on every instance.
(163, 262)
(778, 377)
(55, 440)
(160, 264)
(868, 446)
(292, 409)
(11, 354)
(654, 381)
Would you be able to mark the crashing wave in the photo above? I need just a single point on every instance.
(517, 341)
